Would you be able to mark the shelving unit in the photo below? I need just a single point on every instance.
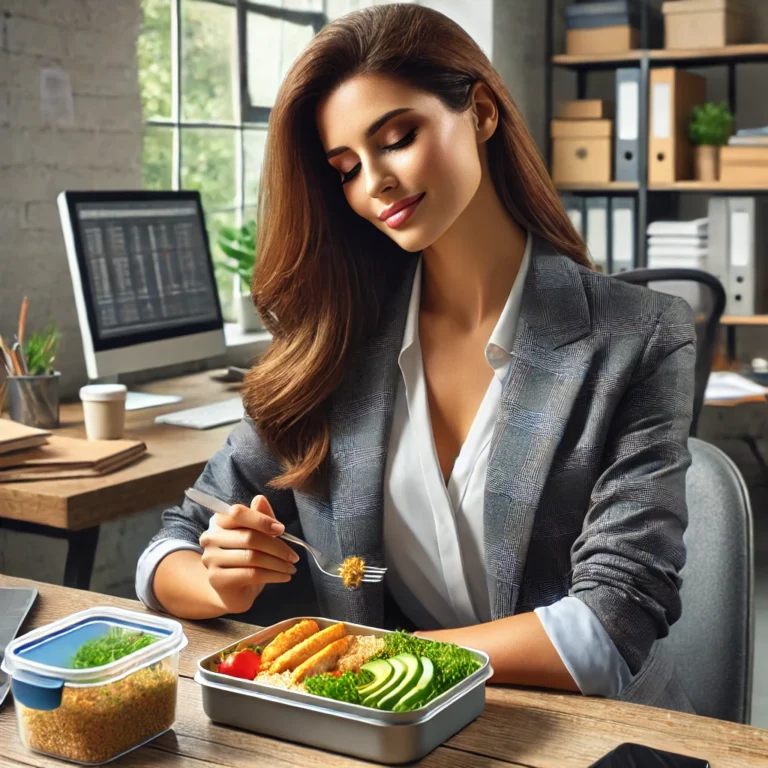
(645, 58)
(611, 186)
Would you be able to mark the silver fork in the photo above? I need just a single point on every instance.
(372, 574)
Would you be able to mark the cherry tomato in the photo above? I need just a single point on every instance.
(243, 664)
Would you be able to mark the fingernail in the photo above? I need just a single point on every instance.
(294, 558)
(278, 527)
(293, 570)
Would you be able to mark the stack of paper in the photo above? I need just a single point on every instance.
(750, 137)
(678, 243)
(66, 457)
(724, 385)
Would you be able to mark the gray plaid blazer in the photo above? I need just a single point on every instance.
(585, 491)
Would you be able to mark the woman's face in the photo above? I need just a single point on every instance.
(406, 163)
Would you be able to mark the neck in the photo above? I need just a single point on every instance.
(468, 273)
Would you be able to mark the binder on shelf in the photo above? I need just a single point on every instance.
(597, 232)
(747, 241)
(717, 256)
(627, 124)
(674, 93)
(574, 207)
(623, 234)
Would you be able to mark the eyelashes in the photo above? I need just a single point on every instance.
(402, 143)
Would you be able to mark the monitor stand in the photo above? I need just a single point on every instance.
(137, 401)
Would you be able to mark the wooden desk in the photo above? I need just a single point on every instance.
(74, 509)
(524, 728)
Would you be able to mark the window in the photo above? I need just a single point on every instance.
(201, 129)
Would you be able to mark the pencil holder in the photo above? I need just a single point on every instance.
(34, 400)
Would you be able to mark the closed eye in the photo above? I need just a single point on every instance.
(404, 142)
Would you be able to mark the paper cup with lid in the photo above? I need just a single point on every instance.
(104, 410)
(97, 684)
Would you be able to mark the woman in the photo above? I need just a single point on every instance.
(451, 390)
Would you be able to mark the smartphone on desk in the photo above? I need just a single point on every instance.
(638, 756)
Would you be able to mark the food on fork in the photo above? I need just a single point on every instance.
(304, 651)
(287, 640)
(352, 571)
(323, 661)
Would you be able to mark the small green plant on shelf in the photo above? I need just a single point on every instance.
(238, 244)
(711, 125)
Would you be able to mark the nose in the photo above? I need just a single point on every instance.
(379, 180)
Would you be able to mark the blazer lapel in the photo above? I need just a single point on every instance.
(550, 358)
(360, 423)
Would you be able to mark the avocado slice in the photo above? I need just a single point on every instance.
(421, 690)
(400, 671)
(412, 675)
(381, 670)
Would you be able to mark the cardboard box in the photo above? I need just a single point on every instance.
(606, 40)
(744, 165)
(704, 24)
(582, 151)
(586, 109)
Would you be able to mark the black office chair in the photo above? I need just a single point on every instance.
(708, 305)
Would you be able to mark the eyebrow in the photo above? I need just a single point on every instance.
(372, 128)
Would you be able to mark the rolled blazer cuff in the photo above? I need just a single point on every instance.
(585, 648)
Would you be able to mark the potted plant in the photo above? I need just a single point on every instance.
(238, 244)
(32, 382)
(709, 129)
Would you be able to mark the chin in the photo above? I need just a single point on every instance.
(413, 242)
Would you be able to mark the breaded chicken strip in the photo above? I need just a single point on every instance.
(306, 649)
(324, 661)
(287, 640)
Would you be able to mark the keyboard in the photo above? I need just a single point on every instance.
(205, 416)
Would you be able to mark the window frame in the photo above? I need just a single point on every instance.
(251, 116)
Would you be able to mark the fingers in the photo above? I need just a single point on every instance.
(258, 517)
(213, 557)
(246, 539)
(233, 579)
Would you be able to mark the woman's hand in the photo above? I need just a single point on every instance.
(241, 553)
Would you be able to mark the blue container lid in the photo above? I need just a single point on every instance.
(40, 662)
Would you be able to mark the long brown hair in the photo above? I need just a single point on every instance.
(323, 272)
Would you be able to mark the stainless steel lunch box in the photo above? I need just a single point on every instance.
(337, 726)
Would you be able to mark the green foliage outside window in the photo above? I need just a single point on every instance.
(208, 154)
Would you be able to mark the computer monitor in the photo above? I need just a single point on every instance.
(143, 280)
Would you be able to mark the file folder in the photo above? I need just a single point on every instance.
(717, 256)
(597, 232)
(623, 234)
(747, 240)
(574, 207)
(674, 93)
(627, 124)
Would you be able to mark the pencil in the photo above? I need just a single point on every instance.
(23, 321)
(7, 357)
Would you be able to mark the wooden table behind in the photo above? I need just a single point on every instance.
(525, 728)
(176, 456)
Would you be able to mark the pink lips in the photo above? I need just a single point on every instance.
(399, 212)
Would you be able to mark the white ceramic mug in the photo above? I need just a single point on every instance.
(104, 410)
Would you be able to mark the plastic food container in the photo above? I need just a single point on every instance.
(338, 726)
(93, 715)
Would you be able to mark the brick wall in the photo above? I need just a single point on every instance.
(94, 42)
